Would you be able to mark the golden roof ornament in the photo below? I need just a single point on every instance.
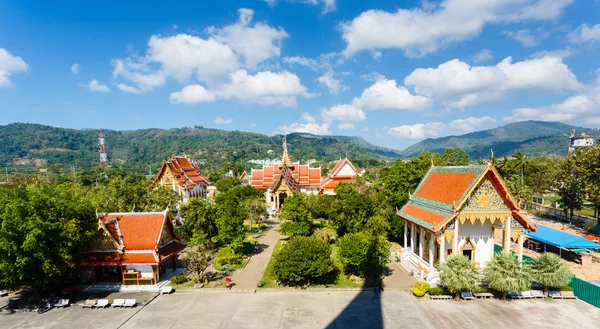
(285, 159)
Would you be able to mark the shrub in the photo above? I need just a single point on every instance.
(420, 289)
(301, 228)
(504, 273)
(179, 279)
(229, 260)
(436, 291)
(303, 260)
(566, 288)
(457, 274)
(363, 254)
(481, 289)
(550, 271)
(322, 234)
(245, 247)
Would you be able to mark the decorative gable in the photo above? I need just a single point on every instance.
(485, 197)
(105, 241)
(166, 235)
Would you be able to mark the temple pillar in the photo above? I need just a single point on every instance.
(455, 240)
(431, 247)
(442, 248)
(506, 246)
(412, 237)
(405, 229)
(521, 238)
(421, 231)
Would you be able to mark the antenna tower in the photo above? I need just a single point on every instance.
(103, 157)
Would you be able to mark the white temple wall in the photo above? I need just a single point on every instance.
(481, 236)
(346, 170)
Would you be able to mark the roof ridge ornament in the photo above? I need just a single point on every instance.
(285, 159)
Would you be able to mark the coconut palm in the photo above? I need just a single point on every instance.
(550, 271)
(504, 273)
(457, 274)
(520, 162)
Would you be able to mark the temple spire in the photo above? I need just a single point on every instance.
(285, 159)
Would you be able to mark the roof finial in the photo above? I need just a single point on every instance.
(285, 159)
(432, 165)
(492, 157)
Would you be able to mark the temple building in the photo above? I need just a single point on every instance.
(343, 171)
(280, 180)
(182, 176)
(457, 210)
(132, 249)
(583, 140)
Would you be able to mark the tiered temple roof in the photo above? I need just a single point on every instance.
(184, 170)
(336, 176)
(146, 238)
(444, 192)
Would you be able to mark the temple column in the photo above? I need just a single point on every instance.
(442, 248)
(421, 231)
(506, 246)
(412, 237)
(455, 240)
(431, 247)
(405, 237)
(521, 238)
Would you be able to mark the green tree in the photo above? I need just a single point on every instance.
(302, 228)
(518, 187)
(294, 208)
(570, 184)
(303, 260)
(198, 260)
(256, 209)
(504, 273)
(457, 274)
(588, 159)
(230, 223)
(540, 173)
(363, 254)
(454, 157)
(200, 221)
(550, 270)
(43, 230)
(520, 162)
(227, 183)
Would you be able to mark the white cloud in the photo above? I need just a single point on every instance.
(343, 112)
(525, 37)
(376, 55)
(558, 53)
(372, 77)
(482, 56)
(266, 88)
(221, 121)
(594, 121)
(346, 126)
(571, 108)
(424, 30)
(191, 94)
(331, 83)
(322, 63)
(95, 86)
(75, 68)
(365, 129)
(585, 33)
(128, 88)
(460, 84)
(437, 129)
(252, 125)
(138, 73)
(308, 118)
(10, 64)
(305, 127)
(386, 95)
(328, 5)
(255, 43)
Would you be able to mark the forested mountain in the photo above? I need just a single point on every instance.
(33, 144)
(533, 138)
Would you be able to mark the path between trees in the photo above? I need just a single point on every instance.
(249, 277)
(397, 278)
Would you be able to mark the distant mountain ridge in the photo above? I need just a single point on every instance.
(34, 144)
(533, 138)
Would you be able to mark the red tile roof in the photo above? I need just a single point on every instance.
(424, 215)
(446, 187)
(184, 170)
(139, 230)
(303, 174)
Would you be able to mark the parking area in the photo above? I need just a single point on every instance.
(296, 309)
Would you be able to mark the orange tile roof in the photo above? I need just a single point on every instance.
(184, 170)
(430, 217)
(303, 174)
(138, 230)
(446, 187)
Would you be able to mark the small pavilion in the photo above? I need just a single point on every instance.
(457, 210)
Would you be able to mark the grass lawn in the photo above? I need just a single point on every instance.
(190, 285)
(342, 280)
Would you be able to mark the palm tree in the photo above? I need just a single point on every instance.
(457, 274)
(504, 166)
(520, 162)
(504, 273)
(550, 271)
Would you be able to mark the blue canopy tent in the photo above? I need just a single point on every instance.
(560, 239)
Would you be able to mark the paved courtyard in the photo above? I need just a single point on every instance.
(307, 309)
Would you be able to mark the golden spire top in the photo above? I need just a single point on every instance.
(285, 159)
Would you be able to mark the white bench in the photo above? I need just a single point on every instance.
(483, 295)
(101, 303)
(440, 297)
(118, 302)
(130, 303)
(166, 290)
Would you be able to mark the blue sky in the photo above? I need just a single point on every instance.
(393, 73)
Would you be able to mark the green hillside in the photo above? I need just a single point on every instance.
(533, 138)
(31, 144)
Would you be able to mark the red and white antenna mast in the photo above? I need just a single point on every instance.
(103, 157)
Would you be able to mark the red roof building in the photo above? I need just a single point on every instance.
(343, 171)
(131, 247)
(281, 180)
(456, 210)
(182, 176)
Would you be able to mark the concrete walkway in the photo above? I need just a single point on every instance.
(249, 277)
(397, 278)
